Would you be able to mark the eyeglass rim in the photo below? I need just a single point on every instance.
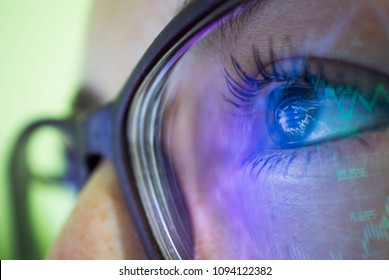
(196, 11)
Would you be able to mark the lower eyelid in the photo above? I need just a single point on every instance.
(295, 163)
(268, 161)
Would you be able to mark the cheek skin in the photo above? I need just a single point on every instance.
(100, 226)
(305, 213)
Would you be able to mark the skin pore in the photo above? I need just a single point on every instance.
(292, 210)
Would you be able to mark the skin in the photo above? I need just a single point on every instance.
(294, 210)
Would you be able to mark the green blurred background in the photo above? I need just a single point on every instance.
(41, 49)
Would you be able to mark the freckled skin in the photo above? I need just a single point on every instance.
(100, 225)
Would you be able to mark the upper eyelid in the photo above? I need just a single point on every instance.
(258, 24)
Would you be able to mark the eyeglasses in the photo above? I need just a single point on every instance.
(272, 130)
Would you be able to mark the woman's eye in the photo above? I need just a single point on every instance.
(301, 106)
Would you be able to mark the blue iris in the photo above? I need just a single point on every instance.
(292, 115)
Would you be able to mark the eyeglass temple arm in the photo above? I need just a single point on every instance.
(91, 140)
(19, 177)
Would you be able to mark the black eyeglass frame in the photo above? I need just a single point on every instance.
(102, 134)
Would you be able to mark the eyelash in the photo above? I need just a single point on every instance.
(246, 91)
(254, 165)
